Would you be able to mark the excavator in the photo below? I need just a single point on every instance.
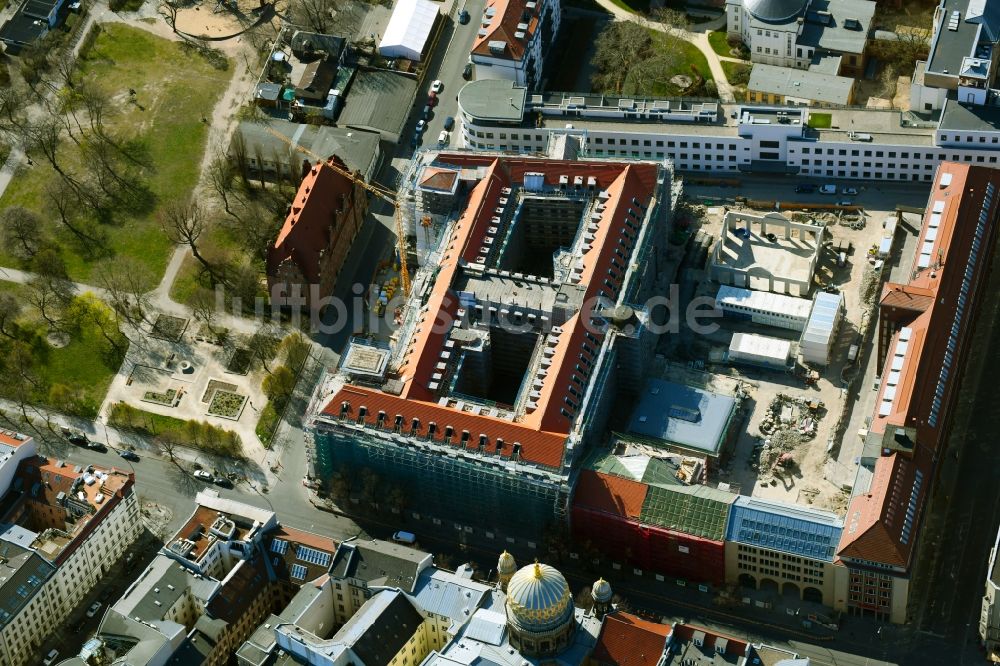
(383, 193)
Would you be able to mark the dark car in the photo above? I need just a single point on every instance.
(449, 123)
(463, 17)
(432, 100)
(805, 188)
(97, 446)
(427, 113)
(223, 482)
(129, 455)
(467, 72)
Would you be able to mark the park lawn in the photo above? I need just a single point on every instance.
(177, 87)
(820, 120)
(688, 55)
(717, 38)
(86, 364)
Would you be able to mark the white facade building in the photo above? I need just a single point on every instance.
(763, 307)
(408, 29)
(989, 616)
(513, 39)
(760, 350)
(820, 333)
(729, 138)
(799, 33)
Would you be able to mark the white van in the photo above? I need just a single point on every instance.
(409, 538)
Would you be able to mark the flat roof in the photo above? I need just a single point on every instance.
(357, 148)
(760, 346)
(804, 83)
(765, 301)
(22, 29)
(493, 99)
(967, 118)
(951, 46)
(682, 415)
(380, 101)
(698, 510)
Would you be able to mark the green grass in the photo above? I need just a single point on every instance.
(196, 434)
(820, 120)
(688, 56)
(85, 366)
(177, 87)
(717, 38)
(268, 422)
(738, 74)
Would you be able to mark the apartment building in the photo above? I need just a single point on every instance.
(700, 137)
(225, 570)
(513, 39)
(63, 527)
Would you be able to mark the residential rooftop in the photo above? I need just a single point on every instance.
(682, 416)
(969, 118)
(949, 47)
(801, 83)
(379, 563)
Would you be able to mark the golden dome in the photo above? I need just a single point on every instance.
(538, 598)
(506, 565)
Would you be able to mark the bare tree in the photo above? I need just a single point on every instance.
(184, 223)
(203, 307)
(674, 21)
(315, 15)
(51, 297)
(10, 310)
(221, 173)
(128, 284)
(241, 157)
(62, 200)
(620, 47)
(21, 231)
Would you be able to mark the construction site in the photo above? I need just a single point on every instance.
(804, 279)
(522, 330)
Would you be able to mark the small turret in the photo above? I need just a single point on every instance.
(601, 594)
(506, 567)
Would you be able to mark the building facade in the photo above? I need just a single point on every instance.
(724, 139)
(989, 615)
(514, 38)
(304, 262)
(68, 526)
(512, 342)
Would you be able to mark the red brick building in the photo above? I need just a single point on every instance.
(305, 260)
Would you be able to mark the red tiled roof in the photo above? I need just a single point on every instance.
(685, 632)
(542, 431)
(508, 14)
(874, 524)
(542, 448)
(627, 640)
(610, 494)
(311, 221)
(10, 440)
(436, 178)
(875, 529)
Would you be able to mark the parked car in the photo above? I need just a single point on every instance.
(202, 475)
(443, 138)
(806, 188)
(828, 189)
(851, 191)
(97, 446)
(860, 136)
(415, 140)
(94, 608)
(432, 100)
(408, 538)
(467, 72)
(51, 657)
(463, 17)
(449, 123)
(437, 86)
(421, 126)
(222, 482)
(129, 455)
(427, 112)
(845, 202)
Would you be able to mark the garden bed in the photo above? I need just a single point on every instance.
(226, 404)
(170, 328)
(215, 384)
(166, 398)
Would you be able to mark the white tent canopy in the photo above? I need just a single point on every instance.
(409, 27)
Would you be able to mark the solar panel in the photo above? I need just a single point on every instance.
(312, 556)
(298, 571)
(279, 546)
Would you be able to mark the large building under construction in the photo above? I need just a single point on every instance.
(525, 324)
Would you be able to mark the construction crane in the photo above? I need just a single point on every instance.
(383, 193)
